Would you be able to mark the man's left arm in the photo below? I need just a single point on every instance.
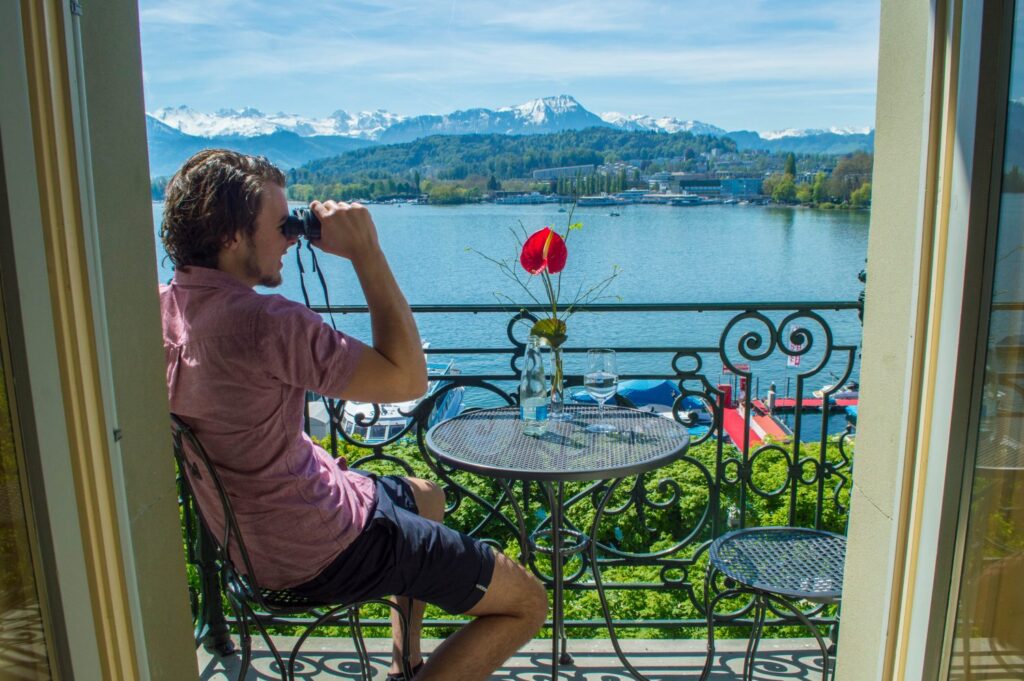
(394, 368)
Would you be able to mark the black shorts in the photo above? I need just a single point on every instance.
(400, 553)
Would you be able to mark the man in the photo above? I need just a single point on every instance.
(238, 367)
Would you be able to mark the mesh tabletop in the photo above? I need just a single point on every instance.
(491, 441)
(790, 561)
(1000, 455)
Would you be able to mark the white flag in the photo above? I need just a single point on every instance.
(793, 360)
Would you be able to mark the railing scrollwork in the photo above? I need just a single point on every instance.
(665, 519)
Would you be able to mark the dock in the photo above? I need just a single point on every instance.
(762, 425)
(789, 403)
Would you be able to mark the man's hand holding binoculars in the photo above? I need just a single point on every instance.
(336, 227)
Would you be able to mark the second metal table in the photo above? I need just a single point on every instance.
(491, 442)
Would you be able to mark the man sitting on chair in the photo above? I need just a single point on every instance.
(239, 364)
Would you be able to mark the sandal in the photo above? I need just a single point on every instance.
(401, 677)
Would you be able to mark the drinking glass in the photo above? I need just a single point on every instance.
(601, 382)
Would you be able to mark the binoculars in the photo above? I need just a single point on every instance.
(302, 222)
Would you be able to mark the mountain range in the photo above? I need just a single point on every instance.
(290, 140)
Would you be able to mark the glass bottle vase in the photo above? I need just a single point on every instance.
(556, 404)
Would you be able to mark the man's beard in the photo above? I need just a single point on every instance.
(252, 268)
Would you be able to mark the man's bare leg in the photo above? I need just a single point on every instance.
(510, 614)
(430, 502)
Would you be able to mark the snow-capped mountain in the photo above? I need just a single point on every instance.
(547, 110)
(169, 146)
(249, 122)
(292, 139)
(664, 124)
(810, 132)
(367, 125)
(546, 114)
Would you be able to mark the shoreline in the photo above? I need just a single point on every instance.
(742, 204)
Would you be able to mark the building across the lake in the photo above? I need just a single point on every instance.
(741, 187)
(565, 171)
(707, 184)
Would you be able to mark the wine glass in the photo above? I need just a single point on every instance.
(601, 382)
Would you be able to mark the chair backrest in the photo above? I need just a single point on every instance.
(198, 470)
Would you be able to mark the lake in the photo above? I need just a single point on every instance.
(666, 254)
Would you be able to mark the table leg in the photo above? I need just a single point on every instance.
(780, 601)
(760, 612)
(559, 641)
(605, 609)
(709, 607)
(524, 538)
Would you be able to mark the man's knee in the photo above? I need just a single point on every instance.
(532, 601)
(524, 595)
(429, 498)
(537, 598)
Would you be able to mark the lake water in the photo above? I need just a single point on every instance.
(716, 253)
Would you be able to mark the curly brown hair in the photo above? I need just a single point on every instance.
(214, 196)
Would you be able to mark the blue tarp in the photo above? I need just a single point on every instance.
(642, 392)
(851, 414)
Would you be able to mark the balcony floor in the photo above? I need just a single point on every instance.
(661, 660)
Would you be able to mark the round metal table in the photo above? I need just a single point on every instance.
(491, 442)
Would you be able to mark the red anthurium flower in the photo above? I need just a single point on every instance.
(544, 249)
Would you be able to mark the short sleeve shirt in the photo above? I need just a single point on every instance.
(239, 364)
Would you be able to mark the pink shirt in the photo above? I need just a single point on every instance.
(238, 367)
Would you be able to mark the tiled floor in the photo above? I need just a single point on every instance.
(332, 660)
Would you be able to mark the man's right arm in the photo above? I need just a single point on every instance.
(393, 369)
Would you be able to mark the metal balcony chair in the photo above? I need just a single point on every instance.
(253, 605)
(778, 567)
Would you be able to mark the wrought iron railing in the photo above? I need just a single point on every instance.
(670, 515)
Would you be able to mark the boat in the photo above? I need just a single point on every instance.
(613, 214)
(602, 200)
(658, 397)
(357, 418)
(533, 198)
(686, 200)
(632, 195)
(850, 391)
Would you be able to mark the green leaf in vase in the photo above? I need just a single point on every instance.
(551, 329)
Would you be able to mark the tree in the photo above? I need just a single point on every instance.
(861, 196)
(785, 191)
(818, 193)
(448, 193)
(849, 174)
(492, 184)
(301, 192)
(770, 182)
(790, 168)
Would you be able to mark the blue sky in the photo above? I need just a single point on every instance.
(738, 64)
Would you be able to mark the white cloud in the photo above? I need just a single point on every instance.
(407, 55)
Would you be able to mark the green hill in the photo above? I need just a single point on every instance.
(457, 157)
